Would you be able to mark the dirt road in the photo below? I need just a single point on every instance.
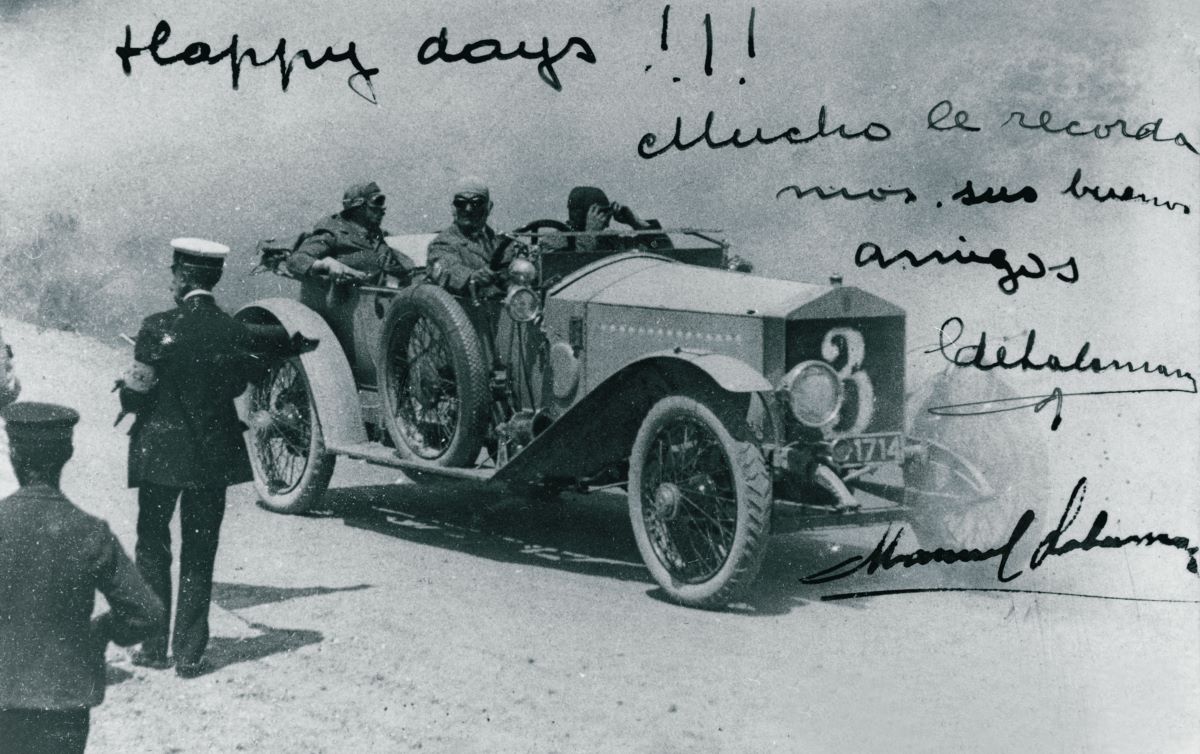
(449, 620)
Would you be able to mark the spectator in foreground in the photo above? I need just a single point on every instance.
(10, 388)
(53, 559)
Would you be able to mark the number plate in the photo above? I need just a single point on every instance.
(867, 449)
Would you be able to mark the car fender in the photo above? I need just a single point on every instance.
(334, 391)
(730, 373)
(572, 448)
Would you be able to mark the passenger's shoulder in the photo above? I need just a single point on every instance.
(330, 224)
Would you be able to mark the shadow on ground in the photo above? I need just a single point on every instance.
(114, 675)
(585, 534)
(240, 596)
(225, 651)
(582, 534)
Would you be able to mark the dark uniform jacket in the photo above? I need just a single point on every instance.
(187, 433)
(460, 255)
(350, 243)
(10, 386)
(53, 558)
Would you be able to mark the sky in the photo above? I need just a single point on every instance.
(105, 168)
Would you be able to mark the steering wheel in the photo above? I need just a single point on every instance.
(507, 239)
(529, 228)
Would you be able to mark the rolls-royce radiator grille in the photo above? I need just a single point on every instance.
(868, 355)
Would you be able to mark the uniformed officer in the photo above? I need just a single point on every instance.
(467, 254)
(53, 559)
(186, 444)
(10, 388)
(349, 245)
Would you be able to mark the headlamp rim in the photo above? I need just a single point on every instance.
(513, 292)
(794, 374)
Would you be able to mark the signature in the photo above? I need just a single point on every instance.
(1056, 543)
(974, 355)
(200, 52)
(1068, 272)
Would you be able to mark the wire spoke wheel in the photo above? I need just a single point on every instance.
(433, 380)
(425, 390)
(287, 452)
(699, 502)
(694, 516)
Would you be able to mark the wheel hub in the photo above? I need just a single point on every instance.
(287, 416)
(667, 499)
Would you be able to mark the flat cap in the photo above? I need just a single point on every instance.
(199, 253)
(359, 194)
(471, 186)
(580, 200)
(29, 423)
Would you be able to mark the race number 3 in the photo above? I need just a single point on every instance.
(845, 349)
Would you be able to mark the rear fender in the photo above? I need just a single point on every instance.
(334, 391)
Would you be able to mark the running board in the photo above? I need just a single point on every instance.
(379, 454)
(799, 516)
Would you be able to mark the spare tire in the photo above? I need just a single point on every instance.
(434, 378)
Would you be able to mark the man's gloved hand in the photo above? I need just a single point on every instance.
(337, 271)
(625, 215)
(598, 216)
(298, 344)
(481, 277)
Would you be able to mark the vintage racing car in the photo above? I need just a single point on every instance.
(725, 403)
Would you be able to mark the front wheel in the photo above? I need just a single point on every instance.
(287, 449)
(434, 378)
(700, 503)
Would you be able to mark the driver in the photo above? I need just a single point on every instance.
(349, 245)
(588, 209)
(468, 254)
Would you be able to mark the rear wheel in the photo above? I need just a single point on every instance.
(434, 378)
(699, 502)
(287, 449)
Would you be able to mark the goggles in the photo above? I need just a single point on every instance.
(377, 200)
(470, 202)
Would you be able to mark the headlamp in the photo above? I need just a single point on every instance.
(522, 304)
(814, 392)
(522, 272)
